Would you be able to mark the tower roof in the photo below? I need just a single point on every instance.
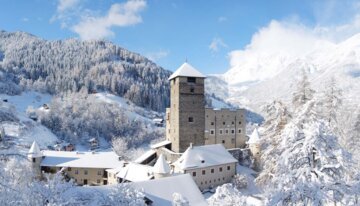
(186, 70)
(34, 150)
(161, 166)
(254, 137)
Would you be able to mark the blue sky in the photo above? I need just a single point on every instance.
(205, 32)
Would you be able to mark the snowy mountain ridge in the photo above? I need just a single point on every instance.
(258, 78)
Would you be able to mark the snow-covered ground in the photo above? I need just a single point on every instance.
(21, 133)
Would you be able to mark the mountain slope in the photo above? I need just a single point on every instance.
(72, 65)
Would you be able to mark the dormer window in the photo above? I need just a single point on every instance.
(191, 79)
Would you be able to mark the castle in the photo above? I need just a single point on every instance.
(197, 143)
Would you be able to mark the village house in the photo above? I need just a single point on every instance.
(209, 165)
(85, 168)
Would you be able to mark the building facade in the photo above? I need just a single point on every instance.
(185, 119)
(225, 126)
(209, 165)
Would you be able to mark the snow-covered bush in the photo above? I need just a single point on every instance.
(227, 195)
(240, 181)
(179, 200)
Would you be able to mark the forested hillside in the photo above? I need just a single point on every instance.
(70, 65)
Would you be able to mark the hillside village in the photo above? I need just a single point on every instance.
(205, 144)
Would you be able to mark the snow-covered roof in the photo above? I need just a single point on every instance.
(254, 137)
(186, 70)
(160, 144)
(204, 156)
(34, 150)
(161, 166)
(134, 172)
(145, 156)
(161, 191)
(105, 160)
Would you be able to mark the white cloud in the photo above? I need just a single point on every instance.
(120, 14)
(25, 19)
(64, 5)
(279, 42)
(154, 56)
(216, 44)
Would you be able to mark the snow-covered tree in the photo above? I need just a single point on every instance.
(122, 194)
(179, 200)
(119, 145)
(227, 195)
(313, 169)
(303, 93)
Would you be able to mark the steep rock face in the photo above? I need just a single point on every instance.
(72, 65)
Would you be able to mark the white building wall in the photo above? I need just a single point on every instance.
(214, 176)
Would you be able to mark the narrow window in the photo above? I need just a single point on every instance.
(99, 172)
(239, 122)
(33, 159)
(223, 141)
(212, 123)
(191, 79)
(192, 90)
(227, 131)
(69, 169)
(228, 167)
(191, 119)
(239, 131)
(194, 174)
(220, 131)
(220, 169)
(212, 132)
(232, 131)
(203, 172)
(223, 123)
(98, 181)
(85, 172)
(212, 170)
(76, 172)
(232, 123)
(232, 140)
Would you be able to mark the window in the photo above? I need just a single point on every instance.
(98, 181)
(220, 131)
(223, 141)
(212, 132)
(203, 172)
(69, 169)
(232, 131)
(212, 123)
(191, 119)
(228, 167)
(205, 182)
(210, 181)
(239, 131)
(223, 123)
(232, 122)
(194, 174)
(191, 79)
(192, 90)
(212, 170)
(33, 159)
(223, 178)
(227, 131)
(232, 140)
(99, 172)
(85, 172)
(239, 122)
(220, 169)
(76, 172)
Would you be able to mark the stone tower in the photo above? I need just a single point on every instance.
(185, 119)
(254, 146)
